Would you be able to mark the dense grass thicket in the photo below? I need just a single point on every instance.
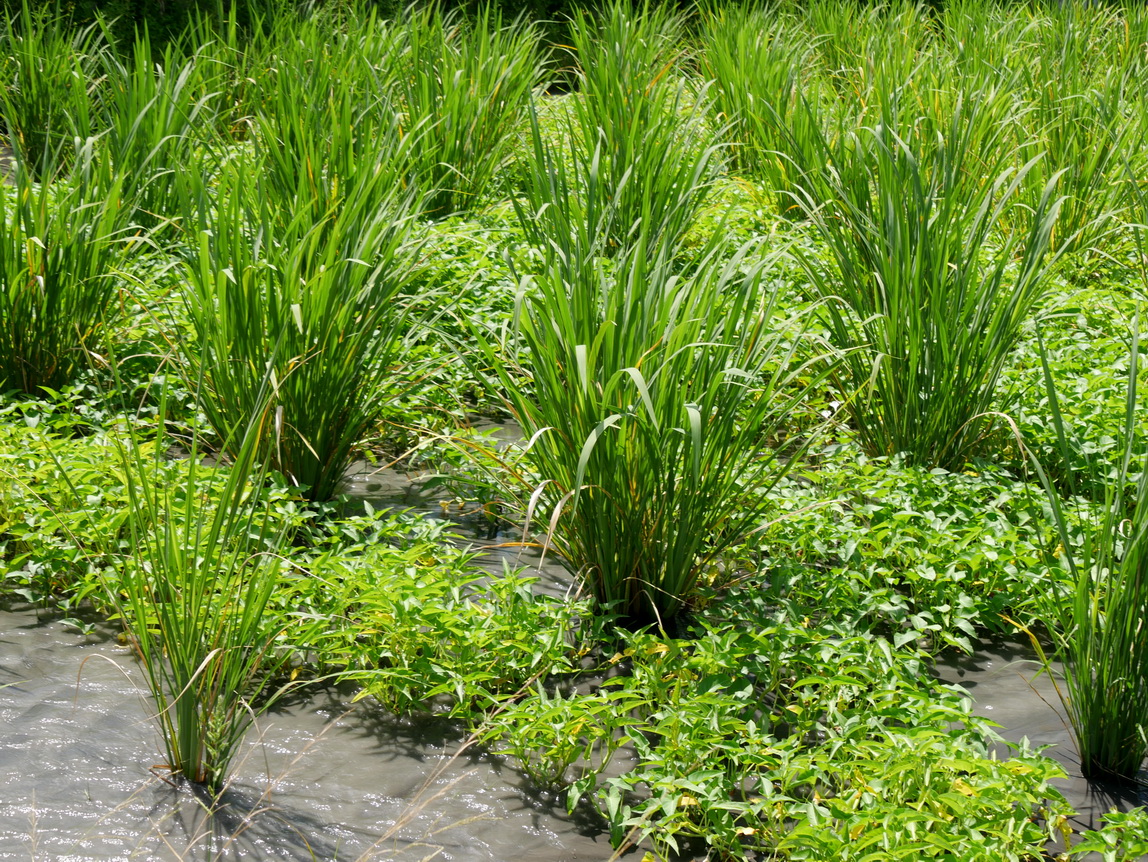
(820, 322)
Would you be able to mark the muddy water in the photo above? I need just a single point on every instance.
(1002, 677)
(326, 779)
(322, 778)
(497, 543)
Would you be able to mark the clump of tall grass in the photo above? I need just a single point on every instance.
(921, 295)
(899, 39)
(930, 109)
(328, 129)
(58, 291)
(1084, 131)
(311, 299)
(192, 596)
(873, 51)
(49, 72)
(235, 66)
(157, 124)
(841, 33)
(647, 395)
(649, 399)
(1096, 615)
(641, 153)
(1077, 41)
(300, 250)
(975, 37)
(838, 29)
(465, 84)
(759, 60)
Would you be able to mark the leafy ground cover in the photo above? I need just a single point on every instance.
(819, 330)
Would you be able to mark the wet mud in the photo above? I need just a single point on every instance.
(497, 543)
(321, 778)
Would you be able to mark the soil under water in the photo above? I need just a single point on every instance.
(498, 544)
(327, 779)
(323, 778)
(1002, 676)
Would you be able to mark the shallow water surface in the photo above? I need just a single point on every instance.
(1002, 677)
(498, 545)
(321, 779)
(324, 778)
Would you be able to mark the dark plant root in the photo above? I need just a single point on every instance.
(1119, 776)
(681, 626)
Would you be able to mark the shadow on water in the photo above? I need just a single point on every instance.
(419, 737)
(238, 824)
(1002, 677)
(322, 778)
(326, 777)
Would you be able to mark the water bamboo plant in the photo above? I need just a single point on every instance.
(759, 60)
(1084, 133)
(1097, 603)
(328, 131)
(466, 84)
(49, 73)
(235, 66)
(651, 401)
(58, 292)
(1096, 614)
(192, 595)
(313, 299)
(641, 153)
(157, 123)
(921, 295)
